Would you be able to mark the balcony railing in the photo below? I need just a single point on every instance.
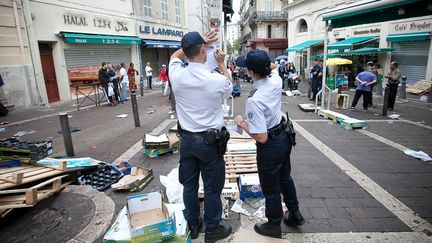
(269, 16)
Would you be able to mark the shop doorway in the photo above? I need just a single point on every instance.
(49, 72)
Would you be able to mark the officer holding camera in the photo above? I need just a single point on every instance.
(274, 137)
(199, 92)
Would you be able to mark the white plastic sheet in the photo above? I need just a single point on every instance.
(174, 190)
(418, 154)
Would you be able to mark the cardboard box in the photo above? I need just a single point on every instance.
(136, 181)
(156, 141)
(149, 218)
(249, 186)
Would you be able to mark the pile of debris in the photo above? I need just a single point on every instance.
(156, 145)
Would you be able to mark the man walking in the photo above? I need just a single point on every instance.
(317, 73)
(198, 92)
(149, 75)
(393, 82)
(364, 80)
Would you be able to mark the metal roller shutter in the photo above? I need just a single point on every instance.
(412, 58)
(95, 56)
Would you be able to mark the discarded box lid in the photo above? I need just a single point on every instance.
(136, 181)
(250, 186)
(156, 141)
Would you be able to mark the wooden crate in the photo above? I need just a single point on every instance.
(10, 177)
(239, 163)
(28, 197)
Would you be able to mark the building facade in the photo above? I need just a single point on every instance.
(263, 25)
(233, 32)
(48, 46)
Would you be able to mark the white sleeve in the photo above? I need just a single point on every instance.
(175, 67)
(255, 118)
(226, 87)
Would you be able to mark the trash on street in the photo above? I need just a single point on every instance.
(418, 154)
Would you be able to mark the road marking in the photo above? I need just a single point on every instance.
(403, 212)
(383, 140)
(417, 124)
(103, 214)
(55, 114)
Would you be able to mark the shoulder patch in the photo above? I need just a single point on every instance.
(250, 116)
(252, 93)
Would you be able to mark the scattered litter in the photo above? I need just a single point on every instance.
(22, 133)
(70, 162)
(174, 190)
(70, 116)
(260, 214)
(122, 116)
(102, 179)
(72, 129)
(138, 179)
(150, 112)
(238, 208)
(94, 146)
(177, 210)
(2, 129)
(4, 123)
(171, 112)
(249, 186)
(225, 208)
(255, 203)
(423, 98)
(288, 93)
(418, 154)
(394, 116)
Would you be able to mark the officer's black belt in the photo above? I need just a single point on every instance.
(276, 130)
(200, 134)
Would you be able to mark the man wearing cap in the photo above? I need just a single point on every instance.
(199, 92)
(317, 73)
(274, 137)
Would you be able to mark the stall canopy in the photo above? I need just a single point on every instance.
(81, 38)
(412, 36)
(304, 45)
(373, 11)
(161, 44)
(366, 51)
(348, 43)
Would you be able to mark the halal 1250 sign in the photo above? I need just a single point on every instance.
(98, 22)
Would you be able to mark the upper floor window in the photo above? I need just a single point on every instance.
(269, 5)
(147, 8)
(269, 29)
(164, 6)
(302, 26)
(177, 11)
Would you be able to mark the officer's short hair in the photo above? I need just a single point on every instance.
(394, 63)
(192, 51)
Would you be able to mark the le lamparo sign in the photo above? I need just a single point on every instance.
(159, 31)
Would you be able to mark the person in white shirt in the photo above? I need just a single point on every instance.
(149, 75)
(199, 92)
(124, 82)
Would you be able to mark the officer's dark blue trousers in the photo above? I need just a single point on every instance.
(196, 157)
(274, 168)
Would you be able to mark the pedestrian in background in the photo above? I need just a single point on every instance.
(198, 92)
(393, 82)
(274, 138)
(370, 67)
(131, 78)
(317, 73)
(163, 77)
(124, 81)
(104, 79)
(364, 80)
(113, 78)
(149, 75)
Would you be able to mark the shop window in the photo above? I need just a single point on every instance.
(302, 26)
(269, 29)
(177, 11)
(164, 6)
(147, 8)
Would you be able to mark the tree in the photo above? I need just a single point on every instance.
(236, 45)
(229, 48)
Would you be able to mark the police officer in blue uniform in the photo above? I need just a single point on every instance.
(274, 137)
(199, 92)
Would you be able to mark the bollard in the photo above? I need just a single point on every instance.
(402, 94)
(142, 86)
(135, 109)
(67, 136)
(386, 100)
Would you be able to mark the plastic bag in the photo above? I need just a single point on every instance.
(174, 190)
(238, 208)
(418, 154)
(110, 90)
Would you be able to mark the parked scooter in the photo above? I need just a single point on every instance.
(293, 81)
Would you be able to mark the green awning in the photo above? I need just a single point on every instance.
(329, 55)
(304, 45)
(412, 36)
(373, 11)
(366, 51)
(348, 43)
(80, 38)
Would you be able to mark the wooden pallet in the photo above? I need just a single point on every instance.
(239, 163)
(10, 177)
(353, 124)
(28, 197)
(230, 191)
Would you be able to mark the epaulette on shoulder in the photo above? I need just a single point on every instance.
(252, 93)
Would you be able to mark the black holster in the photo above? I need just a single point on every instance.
(289, 129)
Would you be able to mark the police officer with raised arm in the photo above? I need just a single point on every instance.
(274, 137)
(199, 93)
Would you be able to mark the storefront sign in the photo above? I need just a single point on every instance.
(159, 31)
(413, 26)
(367, 31)
(97, 22)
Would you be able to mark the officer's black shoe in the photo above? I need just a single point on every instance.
(293, 218)
(268, 229)
(218, 233)
(195, 229)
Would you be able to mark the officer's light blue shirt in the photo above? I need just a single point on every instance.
(198, 93)
(263, 107)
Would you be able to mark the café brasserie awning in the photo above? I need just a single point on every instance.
(348, 43)
(366, 51)
(412, 36)
(302, 46)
